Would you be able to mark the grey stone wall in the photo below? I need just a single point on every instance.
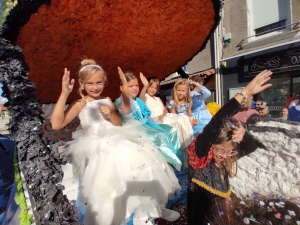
(235, 21)
(203, 60)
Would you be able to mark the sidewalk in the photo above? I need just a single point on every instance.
(3, 125)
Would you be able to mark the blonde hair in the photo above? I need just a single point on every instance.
(154, 81)
(174, 97)
(227, 163)
(88, 68)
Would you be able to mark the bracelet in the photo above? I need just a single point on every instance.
(245, 96)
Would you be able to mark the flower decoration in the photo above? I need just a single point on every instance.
(213, 108)
(40, 37)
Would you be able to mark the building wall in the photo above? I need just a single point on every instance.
(230, 81)
(295, 10)
(236, 21)
(203, 60)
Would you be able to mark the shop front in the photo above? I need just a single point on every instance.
(283, 61)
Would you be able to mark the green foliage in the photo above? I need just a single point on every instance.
(7, 5)
(8, 112)
(19, 196)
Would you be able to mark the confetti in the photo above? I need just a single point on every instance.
(279, 205)
(291, 213)
(221, 213)
(278, 216)
(253, 219)
(246, 220)
(261, 203)
(243, 203)
(287, 217)
(255, 195)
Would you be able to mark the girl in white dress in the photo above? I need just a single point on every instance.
(159, 113)
(120, 171)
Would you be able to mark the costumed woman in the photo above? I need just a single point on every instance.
(160, 115)
(212, 154)
(199, 93)
(119, 169)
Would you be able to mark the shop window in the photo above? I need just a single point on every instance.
(296, 86)
(273, 26)
(279, 93)
(267, 15)
(212, 97)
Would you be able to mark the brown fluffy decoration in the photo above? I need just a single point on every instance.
(154, 37)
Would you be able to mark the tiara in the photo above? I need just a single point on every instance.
(94, 65)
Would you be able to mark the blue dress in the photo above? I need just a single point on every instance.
(164, 136)
(294, 114)
(199, 109)
(183, 108)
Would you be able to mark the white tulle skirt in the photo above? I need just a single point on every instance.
(120, 171)
(183, 126)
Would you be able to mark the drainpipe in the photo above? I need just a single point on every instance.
(217, 69)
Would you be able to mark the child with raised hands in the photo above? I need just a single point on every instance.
(212, 155)
(120, 171)
(198, 94)
(130, 106)
(159, 113)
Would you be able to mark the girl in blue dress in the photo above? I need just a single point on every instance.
(164, 136)
(181, 101)
(199, 93)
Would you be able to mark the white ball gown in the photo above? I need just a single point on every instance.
(180, 122)
(119, 169)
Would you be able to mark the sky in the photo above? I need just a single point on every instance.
(2, 99)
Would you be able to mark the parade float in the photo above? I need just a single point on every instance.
(39, 38)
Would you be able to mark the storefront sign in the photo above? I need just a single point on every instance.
(279, 62)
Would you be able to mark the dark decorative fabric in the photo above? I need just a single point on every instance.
(203, 206)
(211, 175)
(40, 164)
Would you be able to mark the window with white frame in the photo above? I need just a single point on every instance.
(268, 17)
